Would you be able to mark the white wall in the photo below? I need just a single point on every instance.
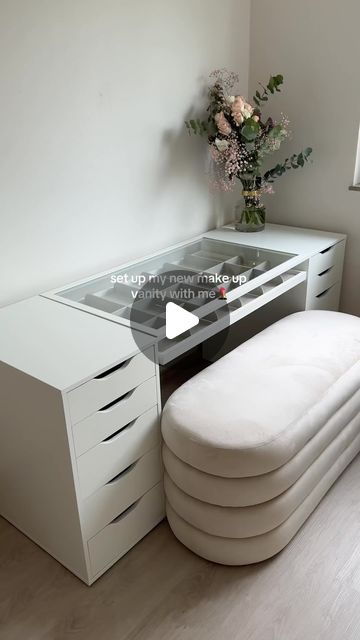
(315, 44)
(95, 163)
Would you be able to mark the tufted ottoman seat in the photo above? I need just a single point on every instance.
(254, 442)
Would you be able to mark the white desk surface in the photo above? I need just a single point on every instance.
(305, 242)
(59, 345)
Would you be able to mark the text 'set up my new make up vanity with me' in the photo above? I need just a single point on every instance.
(80, 385)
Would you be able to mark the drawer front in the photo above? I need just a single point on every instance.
(104, 389)
(320, 282)
(330, 257)
(100, 425)
(327, 300)
(103, 462)
(126, 530)
(121, 492)
(238, 309)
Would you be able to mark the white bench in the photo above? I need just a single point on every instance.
(254, 442)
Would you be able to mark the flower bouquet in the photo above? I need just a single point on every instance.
(240, 140)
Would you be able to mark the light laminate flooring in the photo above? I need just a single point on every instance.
(161, 591)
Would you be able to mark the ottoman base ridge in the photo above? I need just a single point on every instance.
(249, 491)
(242, 551)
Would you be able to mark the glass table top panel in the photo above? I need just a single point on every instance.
(194, 275)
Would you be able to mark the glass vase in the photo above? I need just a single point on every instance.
(250, 214)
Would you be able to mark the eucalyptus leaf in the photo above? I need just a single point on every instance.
(275, 131)
(301, 160)
(250, 130)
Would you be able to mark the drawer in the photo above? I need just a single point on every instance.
(121, 492)
(324, 280)
(327, 300)
(236, 310)
(126, 530)
(110, 385)
(107, 421)
(103, 462)
(331, 256)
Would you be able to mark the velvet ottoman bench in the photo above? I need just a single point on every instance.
(254, 442)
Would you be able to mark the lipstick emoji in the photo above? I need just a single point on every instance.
(222, 293)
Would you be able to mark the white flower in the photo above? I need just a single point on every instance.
(221, 145)
(247, 113)
(230, 99)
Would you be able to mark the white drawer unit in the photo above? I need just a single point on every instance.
(329, 257)
(322, 281)
(126, 530)
(109, 458)
(123, 414)
(81, 470)
(121, 492)
(109, 385)
(328, 300)
(324, 278)
(80, 454)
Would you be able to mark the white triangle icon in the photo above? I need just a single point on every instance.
(178, 320)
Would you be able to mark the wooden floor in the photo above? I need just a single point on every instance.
(161, 591)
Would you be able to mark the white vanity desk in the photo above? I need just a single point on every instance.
(80, 469)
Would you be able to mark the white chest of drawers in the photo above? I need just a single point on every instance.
(324, 278)
(80, 469)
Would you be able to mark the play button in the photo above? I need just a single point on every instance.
(178, 320)
(161, 310)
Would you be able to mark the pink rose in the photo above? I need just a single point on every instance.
(222, 124)
(238, 117)
(238, 103)
(238, 110)
(241, 110)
